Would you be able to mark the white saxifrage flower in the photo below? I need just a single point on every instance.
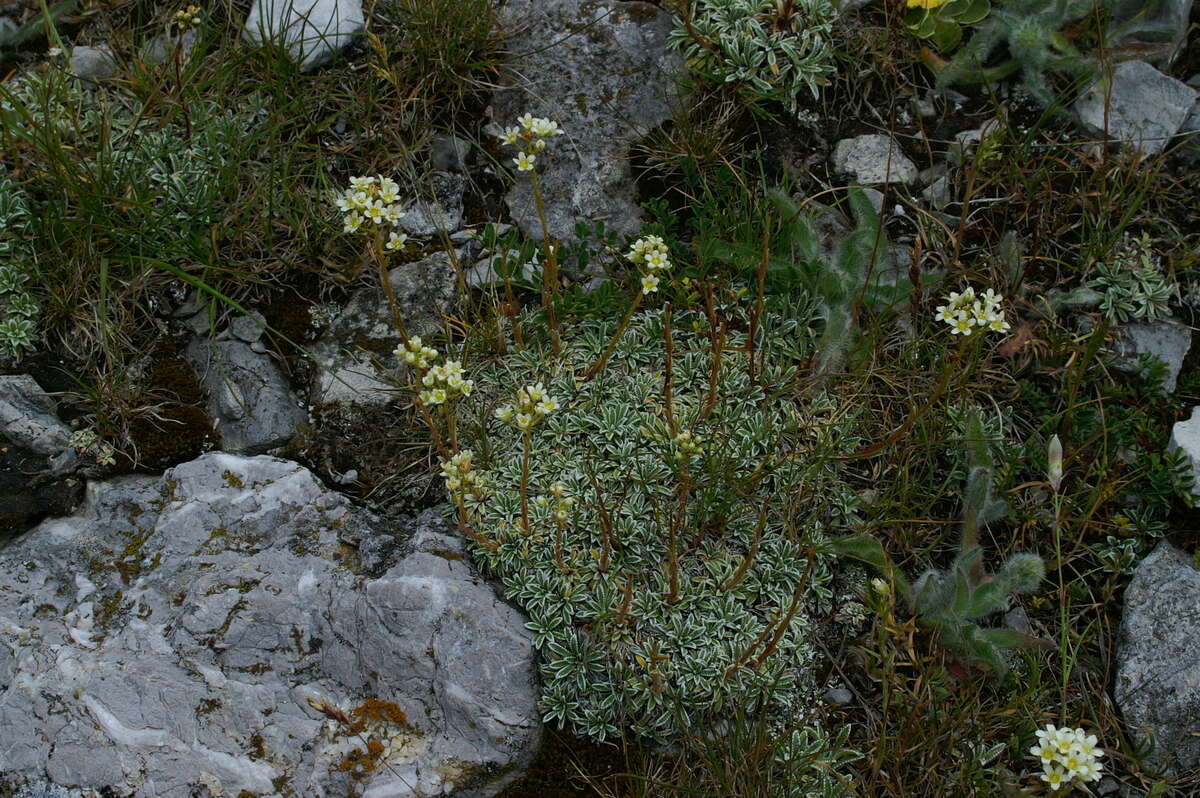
(650, 254)
(373, 200)
(532, 407)
(529, 134)
(1068, 757)
(965, 313)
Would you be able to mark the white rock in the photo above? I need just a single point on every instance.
(1185, 438)
(354, 355)
(607, 80)
(27, 417)
(873, 159)
(1142, 107)
(224, 598)
(313, 31)
(1167, 341)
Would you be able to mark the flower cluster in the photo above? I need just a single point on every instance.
(416, 353)
(688, 444)
(530, 134)
(558, 501)
(965, 312)
(460, 479)
(1068, 757)
(444, 382)
(532, 406)
(375, 200)
(650, 255)
(186, 18)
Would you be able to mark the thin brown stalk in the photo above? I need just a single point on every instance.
(716, 337)
(744, 568)
(525, 482)
(381, 264)
(612, 344)
(756, 312)
(606, 524)
(550, 270)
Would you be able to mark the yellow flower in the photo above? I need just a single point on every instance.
(930, 4)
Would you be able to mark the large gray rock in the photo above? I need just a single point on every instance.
(248, 394)
(449, 153)
(1142, 107)
(170, 640)
(27, 417)
(1185, 439)
(312, 31)
(1158, 659)
(601, 69)
(873, 159)
(1191, 127)
(94, 64)
(438, 208)
(36, 458)
(1166, 341)
(354, 354)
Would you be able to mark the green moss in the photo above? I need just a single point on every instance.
(179, 429)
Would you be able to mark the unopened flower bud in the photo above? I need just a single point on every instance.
(1054, 471)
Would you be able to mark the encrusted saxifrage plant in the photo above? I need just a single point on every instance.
(18, 309)
(663, 521)
(772, 49)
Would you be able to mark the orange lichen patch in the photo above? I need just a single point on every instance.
(376, 710)
(359, 762)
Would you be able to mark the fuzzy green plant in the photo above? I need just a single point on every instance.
(1031, 30)
(951, 602)
(941, 23)
(772, 49)
(840, 276)
(661, 522)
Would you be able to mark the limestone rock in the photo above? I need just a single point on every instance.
(449, 153)
(172, 638)
(1158, 659)
(248, 395)
(1167, 341)
(94, 64)
(1185, 438)
(363, 334)
(1191, 127)
(607, 81)
(1144, 107)
(313, 31)
(27, 417)
(873, 159)
(163, 46)
(440, 209)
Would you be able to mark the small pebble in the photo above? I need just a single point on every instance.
(838, 696)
